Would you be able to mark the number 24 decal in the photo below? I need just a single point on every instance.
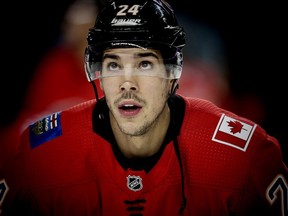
(125, 9)
(279, 186)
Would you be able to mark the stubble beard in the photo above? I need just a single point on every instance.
(146, 126)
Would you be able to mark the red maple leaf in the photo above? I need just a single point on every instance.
(236, 126)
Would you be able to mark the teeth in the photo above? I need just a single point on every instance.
(128, 105)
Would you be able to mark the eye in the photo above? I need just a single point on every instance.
(145, 65)
(113, 66)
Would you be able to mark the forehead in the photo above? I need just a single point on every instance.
(132, 52)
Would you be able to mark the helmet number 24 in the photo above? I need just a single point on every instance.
(124, 9)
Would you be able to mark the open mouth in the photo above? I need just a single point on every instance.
(129, 109)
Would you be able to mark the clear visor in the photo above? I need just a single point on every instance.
(131, 62)
(168, 71)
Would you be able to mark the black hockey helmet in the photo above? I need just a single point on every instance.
(137, 23)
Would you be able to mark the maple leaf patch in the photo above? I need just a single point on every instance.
(233, 132)
(236, 126)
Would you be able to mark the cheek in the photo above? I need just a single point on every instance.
(159, 89)
(108, 86)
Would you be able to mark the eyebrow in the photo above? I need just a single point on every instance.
(146, 54)
(112, 56)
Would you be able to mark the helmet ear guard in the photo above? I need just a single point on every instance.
(142, 24)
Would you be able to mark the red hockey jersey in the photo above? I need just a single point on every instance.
(229, 166)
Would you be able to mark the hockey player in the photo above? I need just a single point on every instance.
(143, 149)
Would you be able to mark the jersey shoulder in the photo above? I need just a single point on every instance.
(58, 124)
(214, 125)
(230, 151)
(55, 143)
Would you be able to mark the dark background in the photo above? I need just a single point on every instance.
(255, 41)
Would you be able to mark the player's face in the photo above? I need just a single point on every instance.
(136, 98)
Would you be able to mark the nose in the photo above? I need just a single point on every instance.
(129, 79)
(128, 85)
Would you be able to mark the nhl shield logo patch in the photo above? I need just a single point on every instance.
(134, 183)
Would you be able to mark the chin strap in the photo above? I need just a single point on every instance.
(177, 151)
(174, 87)
(184, 199)
(95, 90)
